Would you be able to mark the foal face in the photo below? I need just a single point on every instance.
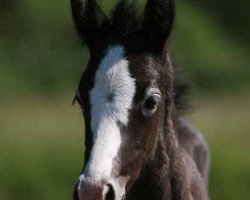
(121, 92)
(124, 96)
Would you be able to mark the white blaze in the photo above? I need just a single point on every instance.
(110, 99)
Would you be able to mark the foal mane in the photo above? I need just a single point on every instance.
(125, 18)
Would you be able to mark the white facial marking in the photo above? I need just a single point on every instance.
(110, 99)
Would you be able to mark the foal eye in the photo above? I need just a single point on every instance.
(150, 103)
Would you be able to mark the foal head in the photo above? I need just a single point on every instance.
(124, 92)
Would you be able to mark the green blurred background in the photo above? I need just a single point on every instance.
(41, 60)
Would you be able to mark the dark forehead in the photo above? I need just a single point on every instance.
(145, 68)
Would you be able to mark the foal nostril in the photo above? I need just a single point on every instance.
(110, 194)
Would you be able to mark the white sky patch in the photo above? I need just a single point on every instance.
(110, 99)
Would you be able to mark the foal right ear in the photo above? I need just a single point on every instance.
(158, 21)
(89, 20)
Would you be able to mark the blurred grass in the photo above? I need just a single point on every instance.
(224, 120)
(41, 146)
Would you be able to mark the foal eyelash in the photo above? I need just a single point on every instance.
(74, 100)
(78, 100)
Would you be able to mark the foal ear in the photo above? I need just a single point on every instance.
(158, 21)
(89, 19)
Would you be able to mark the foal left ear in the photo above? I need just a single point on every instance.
(158, 21)
(89, 20)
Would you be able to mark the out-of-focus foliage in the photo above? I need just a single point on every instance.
(40, 50)
(41, 60)
(233, 16)
(208, 54)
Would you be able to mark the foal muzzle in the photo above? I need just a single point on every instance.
(89, 189)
